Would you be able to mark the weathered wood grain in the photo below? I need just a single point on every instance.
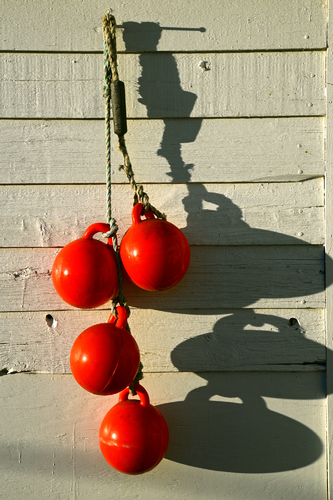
(238, 25)
(50, 446)
(264, 339)
(165, 85)
(218, 277)
(235, 214)
(232, 277)
(209, 214)
(221, 150)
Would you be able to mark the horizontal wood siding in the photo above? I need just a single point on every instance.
(234, 85)
(218, 277)
(229, 143)
(208, 214)
(239, 339)
(242, 150)
(251, 203)
(260, 25)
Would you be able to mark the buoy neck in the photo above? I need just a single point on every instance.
(120, 321)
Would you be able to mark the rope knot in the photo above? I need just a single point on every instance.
(112, 231)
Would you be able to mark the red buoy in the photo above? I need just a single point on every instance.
(84, 272)
(133, 436)
(154, 252)
(105, 357)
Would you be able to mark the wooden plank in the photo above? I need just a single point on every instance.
(209, 214)
(165, 85)
(264, 339)
(235, 214)
(51, 446)
(232, 277)
(251, 150)
(244, 25)
(218, 277)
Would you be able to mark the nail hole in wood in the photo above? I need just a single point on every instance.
(50, 320)
(293, 322)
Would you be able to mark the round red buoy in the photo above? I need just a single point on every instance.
(154, 252)
(84, 272)
(133, 436)
(105, 357)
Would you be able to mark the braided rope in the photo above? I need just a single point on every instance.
(111, 221)
(109, 30)
(139, 195)
(110, 51)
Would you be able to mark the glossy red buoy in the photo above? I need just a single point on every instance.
(105, 358)
(84, 272)
(133, 436)
(154, 252)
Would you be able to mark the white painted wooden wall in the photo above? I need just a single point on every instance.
(226, 130)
